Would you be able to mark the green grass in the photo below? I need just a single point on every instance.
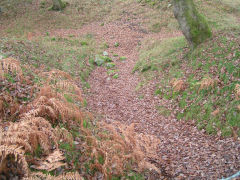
(219, 59)
(122, 58)
(66, 54)
(71, 154)
(116, 44)
(129, 176)
(68, 98)
(115, 76)
(157, 15)
(25, 14)
(220, 14)
(70, 150)
(159, 55)
(216, 59)
(79, 13)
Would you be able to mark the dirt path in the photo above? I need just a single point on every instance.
(187, 152)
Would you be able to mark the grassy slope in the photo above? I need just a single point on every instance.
(215, 108)
(165, 59)
(71, 54)
(68, 54)
(21, 20)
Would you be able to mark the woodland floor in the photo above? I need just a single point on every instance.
(186, 152)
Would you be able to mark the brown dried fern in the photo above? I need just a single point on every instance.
(10, 65)
(54, 105)
(67, 176)
(117, 149)
(63, 135)
(28, 133)
(13, 155)
(51, 162)
(237, 91)
(206, 83)
(33, 130)
(178, 84)
(57, 74)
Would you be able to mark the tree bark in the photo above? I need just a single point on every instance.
(58, 5)
(193, 25)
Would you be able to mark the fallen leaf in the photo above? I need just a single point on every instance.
(216, 112)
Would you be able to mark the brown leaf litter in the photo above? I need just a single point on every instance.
(186, 151)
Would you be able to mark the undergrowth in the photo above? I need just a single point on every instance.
(51, 134)
(73, 55)
(202, 84)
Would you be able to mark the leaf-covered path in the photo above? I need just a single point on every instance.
(186, 152)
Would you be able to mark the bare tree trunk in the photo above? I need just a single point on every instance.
(192, 24)
(58, 5)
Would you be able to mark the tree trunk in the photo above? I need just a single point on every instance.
(192, 24)
(58, 5)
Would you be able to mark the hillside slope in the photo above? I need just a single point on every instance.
(136, 102)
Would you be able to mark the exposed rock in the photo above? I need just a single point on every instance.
(99, 60)
(105, 53)
(110, 65)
